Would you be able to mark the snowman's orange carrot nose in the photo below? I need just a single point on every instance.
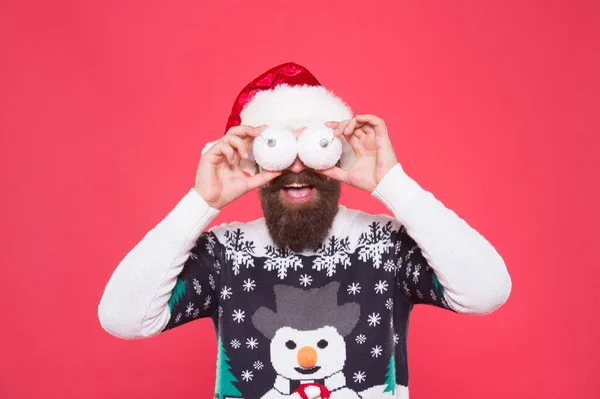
(307, 357)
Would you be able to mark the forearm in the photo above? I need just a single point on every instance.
(473, 274)
(134, 303)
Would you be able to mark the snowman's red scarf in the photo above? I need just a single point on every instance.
(325, 394)
(332, 383)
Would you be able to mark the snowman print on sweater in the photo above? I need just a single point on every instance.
(306, 333)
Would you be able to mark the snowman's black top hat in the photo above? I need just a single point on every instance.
(307, 310)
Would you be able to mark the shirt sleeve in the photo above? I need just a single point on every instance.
(453, 258)
(140, 294)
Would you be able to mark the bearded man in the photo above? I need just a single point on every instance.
(313, 299)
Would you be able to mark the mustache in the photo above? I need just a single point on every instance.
(307, 176)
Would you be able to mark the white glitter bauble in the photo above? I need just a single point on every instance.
(318, 148)
(274, 149)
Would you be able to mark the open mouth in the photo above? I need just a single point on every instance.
(298, 192)
(307, 371)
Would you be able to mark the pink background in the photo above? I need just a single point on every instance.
(104, 109)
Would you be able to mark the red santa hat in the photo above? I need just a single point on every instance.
(288, 95)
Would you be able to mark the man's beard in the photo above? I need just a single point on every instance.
(300, 226)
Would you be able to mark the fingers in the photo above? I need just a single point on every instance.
(234, 145)
(369, 118)
(224, 150)
(239, 144)
(261, 179)
(335, 173)
(259, 129)
(349, 129)
(239, 139)
(332, 124)
(360, 124)
(341, 128)
(378, 125)
(357, 144)
(368, 129)
(354, 132)
(245, 131)
(344, 128)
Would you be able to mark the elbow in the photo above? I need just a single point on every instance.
(120, 319)
(494, 297)
(115, 321)
(110, 322)
(486, 295)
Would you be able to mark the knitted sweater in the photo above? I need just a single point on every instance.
(337, 316)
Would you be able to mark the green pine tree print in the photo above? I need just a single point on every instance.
(390, 377)
(224, 383)
(439, 288)
(177, 293)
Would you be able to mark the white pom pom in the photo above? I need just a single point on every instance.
(319, 148)
(274, 149)
(311, 392)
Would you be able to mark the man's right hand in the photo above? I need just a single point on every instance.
(219, 178)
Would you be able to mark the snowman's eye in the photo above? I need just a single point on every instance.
(290, 344)
(322, 344)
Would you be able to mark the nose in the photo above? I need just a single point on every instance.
(307, 357)
(297, 166)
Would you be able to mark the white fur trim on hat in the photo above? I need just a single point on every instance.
(294, 107)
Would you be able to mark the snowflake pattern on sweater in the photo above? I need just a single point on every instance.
(369, 270)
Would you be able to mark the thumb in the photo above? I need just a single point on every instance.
(336, 173)
(261, 179)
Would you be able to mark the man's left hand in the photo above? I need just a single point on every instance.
(368, 137)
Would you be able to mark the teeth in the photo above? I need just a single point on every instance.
(296, 185)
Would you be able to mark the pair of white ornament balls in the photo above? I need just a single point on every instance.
(276, 148)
